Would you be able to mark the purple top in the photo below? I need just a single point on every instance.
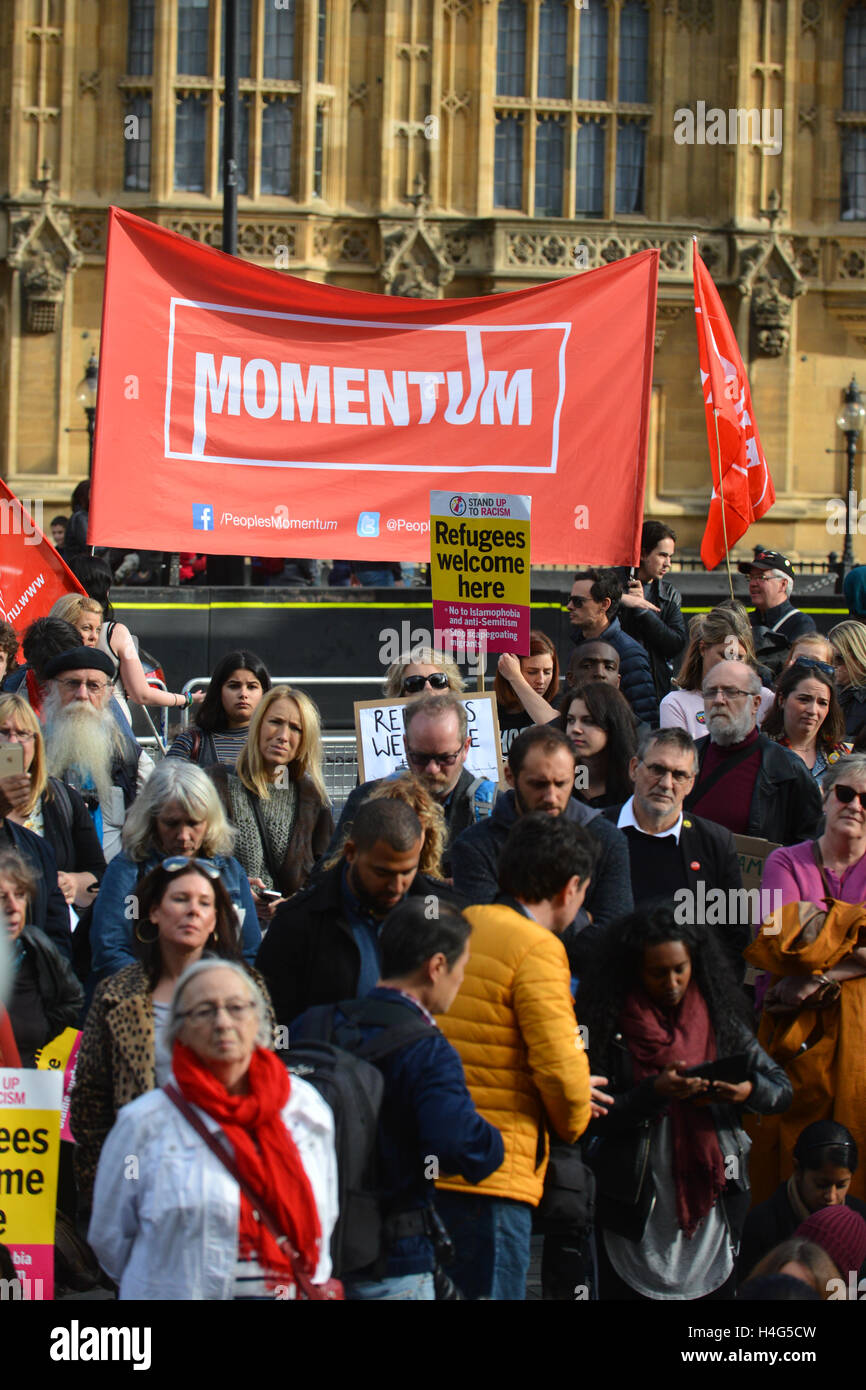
(793, 870)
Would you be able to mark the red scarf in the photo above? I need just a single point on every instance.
(265, 1154)
(657, 1038)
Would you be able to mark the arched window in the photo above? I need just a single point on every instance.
(511, 49)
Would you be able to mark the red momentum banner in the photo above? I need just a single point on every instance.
(32, 574)
(245, 411)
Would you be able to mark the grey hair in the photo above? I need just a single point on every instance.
(853, 765)
(176, 1019)
(192, 790)
(667, 738)
(755, 686)
(789, 580)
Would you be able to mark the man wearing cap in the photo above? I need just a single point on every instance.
(771, 579)
(88, 742)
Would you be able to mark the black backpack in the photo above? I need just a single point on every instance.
(341, 1066)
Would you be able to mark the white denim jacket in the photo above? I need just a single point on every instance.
(165, 1210)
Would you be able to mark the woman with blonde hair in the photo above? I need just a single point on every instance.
(276, 797)
(723, 634)
(421, 671)
(848, 640)
(406, 787)
(803, 1260)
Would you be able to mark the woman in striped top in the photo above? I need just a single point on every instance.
(222, 723)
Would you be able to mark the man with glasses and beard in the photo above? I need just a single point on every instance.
(436, 744)
(746, 781)
(86, 744)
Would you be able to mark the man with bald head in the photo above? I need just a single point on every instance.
(746, 781)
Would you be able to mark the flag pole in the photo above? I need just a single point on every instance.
(718, 441)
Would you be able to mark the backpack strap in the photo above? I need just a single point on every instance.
(397, 1030)
(195, 746)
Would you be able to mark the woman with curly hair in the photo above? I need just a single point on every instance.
(723, 634)
(598, 720)
(661, 1005)
(806, 716)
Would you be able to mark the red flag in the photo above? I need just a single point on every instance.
(245, 411)
(32, 574)
(745, 478)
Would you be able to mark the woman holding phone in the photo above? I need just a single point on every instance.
(669, 1027)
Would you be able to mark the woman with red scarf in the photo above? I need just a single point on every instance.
(235, 1184)
(670, 1156)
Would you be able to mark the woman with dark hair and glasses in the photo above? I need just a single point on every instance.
(421, 671)
(824, 1161)
(181, 913)
(222, 721)
(806, 716)
(814, 1014)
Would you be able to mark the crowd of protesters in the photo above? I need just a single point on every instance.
(379, 1058)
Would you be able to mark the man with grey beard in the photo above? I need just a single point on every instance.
(88, 744)
(746, 781)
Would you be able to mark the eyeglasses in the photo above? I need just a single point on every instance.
(813, 664)
(93, 687)
(658, 770)
(412, 684)
(419, 759)
(207, 1013)
(847, 794)
(728, 692)
(16, 736)
(176, 863)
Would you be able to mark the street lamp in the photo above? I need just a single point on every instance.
(85, 394)
(850, 422)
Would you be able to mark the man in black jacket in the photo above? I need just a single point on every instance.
(650, 608)
(677, 858)
(323, 944)
(776, 623)
(746, 781)
(593, 608)
(541, 772)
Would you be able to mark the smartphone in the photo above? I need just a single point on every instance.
(734, 1069)
(269, 895)
(11, 759)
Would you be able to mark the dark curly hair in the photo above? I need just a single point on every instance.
(615, 970)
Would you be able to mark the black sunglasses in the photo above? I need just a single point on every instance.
(813, 664)
(847, 794)
(412, 684)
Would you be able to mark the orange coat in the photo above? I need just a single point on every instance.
(822, 1050)
(513, 1025)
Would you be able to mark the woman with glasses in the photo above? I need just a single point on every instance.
(849, 659)
(222, 720)
(180, 912)
(806, 716)
(814, 1013)
(723, 634)
(525, 688)
(235, 1188)
(48, 807)
(600, 725)
(276, 799)
(177, 812)
(422, 672)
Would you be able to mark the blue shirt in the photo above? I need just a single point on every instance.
(365, 930)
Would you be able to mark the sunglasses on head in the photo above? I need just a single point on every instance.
(176, 863)
(813, 664)
(847, 794)
(412, 684)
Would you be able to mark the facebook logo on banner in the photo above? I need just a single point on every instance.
(202, 516)
(368, 524)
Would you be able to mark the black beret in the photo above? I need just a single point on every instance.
(80, 659)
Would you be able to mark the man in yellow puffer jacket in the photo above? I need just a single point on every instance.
(513, 1025)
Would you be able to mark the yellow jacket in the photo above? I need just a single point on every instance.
(513, 1024)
